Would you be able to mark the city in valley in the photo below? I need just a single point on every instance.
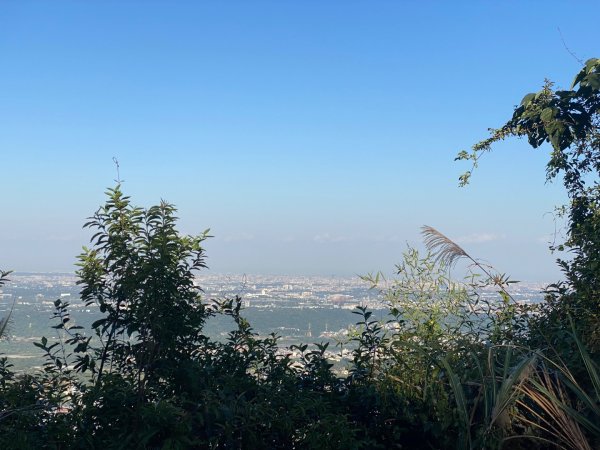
(298, 309)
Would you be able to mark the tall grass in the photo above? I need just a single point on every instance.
(474, 353)
(560, 407)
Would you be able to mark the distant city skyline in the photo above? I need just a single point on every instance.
(311, 138)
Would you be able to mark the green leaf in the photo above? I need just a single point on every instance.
(98, 322)
(527, 99)
(593, 81)
(547, 114)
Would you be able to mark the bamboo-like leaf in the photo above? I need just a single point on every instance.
(589, 363)
(508, 391)
(461, 403)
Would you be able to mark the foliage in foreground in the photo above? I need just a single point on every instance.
(449, 368)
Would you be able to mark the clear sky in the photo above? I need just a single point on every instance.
(312, 137)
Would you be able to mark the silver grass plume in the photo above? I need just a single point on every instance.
(444, 249)
(447, 252)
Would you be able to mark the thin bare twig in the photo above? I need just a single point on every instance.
(580, 61)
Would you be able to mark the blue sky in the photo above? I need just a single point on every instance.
(311, 137)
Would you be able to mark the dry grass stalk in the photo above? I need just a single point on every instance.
(445, 249)
(448, 252)
(543, 407)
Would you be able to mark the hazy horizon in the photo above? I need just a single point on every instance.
(312, 138)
